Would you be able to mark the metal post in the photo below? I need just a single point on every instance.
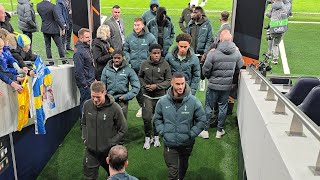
(296, 128)
(316, 169)
(280, 108)
(270, 95)
(90, 20)
(13, 158)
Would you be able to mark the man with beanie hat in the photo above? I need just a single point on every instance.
(163, 30)
(186, 16)
(117, 75)
(23, 52)
(155, 76)
(151, 13)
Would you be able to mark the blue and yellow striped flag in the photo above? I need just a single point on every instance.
(42, 80)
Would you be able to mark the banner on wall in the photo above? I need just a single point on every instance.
(82, 20)
(248, 28)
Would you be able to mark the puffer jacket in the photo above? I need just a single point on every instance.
(179, 125)
(168, 32)
(6, 24)
(136, 48)
(158, 73)
(103, 127)
(122, 176)
(26, 16)
(83, 63)
(185, 18)
(150, 14)
(190, 67)
(118, 81)
(101, 54)
(204, 37)
(220, 66)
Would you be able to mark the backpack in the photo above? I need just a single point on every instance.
(279, 21)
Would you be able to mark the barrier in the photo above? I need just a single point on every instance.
(29, 153)
(278, 140)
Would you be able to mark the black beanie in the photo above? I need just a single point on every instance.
(155, 46)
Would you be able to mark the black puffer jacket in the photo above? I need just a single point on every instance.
(6, 24)
(101, 55)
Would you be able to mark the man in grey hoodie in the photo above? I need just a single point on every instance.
(219, 68)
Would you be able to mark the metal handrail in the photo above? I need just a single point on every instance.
(305, 120)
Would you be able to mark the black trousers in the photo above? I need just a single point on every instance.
(177, 161)
(57, 40)
(91, 163)
(139, 96)
(147, 114)
(69, 32)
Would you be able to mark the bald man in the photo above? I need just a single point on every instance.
(4, 20)
(219, 68)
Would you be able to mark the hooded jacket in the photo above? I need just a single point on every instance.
(150, 14)
(26, 16)
(220, 65)
(158, 73)
(179, 123)
(6, 24)
(136, 48)
(101, 55)
(117, 82)
(190, 67)
(83, 62)
(166, 30)
(103, 127)
(185, 18)
(202, 35)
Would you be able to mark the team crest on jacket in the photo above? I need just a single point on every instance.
(185, 110)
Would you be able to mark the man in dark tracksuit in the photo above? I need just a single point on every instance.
(186, 17)
(103, 126)
(155, 76)
(179, 118)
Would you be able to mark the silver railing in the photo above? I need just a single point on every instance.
(299, 119)
(55, 62)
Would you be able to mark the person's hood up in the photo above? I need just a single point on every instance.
(161, 11)
(227, 47)
(123, 64)
(277, 5)
(152, 62)
(154, 2)
(186, 93)
(109, 101)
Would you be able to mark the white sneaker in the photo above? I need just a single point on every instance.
(219, 134)
(202, 85)
(156, 141)
(139, 113)
(204, 134)
(147, 142)
(275, 61)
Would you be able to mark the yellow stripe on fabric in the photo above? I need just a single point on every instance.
(38, 102)
(47, 80)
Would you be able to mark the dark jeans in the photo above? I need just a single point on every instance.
(213, 97)
(69, 32)
(57, 40)
(177, 161)
(85, 94)
(147, 114)
(91, 163)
